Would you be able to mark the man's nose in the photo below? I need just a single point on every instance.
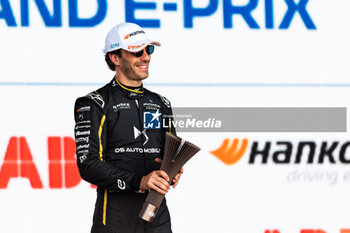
(145, 56)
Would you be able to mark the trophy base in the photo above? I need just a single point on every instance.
(148, 212)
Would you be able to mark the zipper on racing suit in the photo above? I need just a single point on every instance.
(141, 129)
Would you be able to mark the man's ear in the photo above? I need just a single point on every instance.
(114, 58)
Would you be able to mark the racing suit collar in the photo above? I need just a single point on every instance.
(131, 92)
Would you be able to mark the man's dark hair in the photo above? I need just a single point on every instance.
(110, 64)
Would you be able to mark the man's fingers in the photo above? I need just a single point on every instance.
(164, 175)
(158, 160)
(160, 185)
(178, 175)
(160, 180)
(156, 180)
(177, 178)
(175, 181)
(158, 189)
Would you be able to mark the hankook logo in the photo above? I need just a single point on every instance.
(284, 152)
(231, 153)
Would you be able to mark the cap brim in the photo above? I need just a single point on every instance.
(111, 50)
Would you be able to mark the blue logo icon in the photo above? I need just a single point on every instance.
(114, 45)
(151, 120)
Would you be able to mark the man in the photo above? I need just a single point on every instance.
(120, 139)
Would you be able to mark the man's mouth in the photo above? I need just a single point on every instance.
(142, 67)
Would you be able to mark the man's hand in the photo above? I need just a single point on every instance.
(178, 175)
(157, 180)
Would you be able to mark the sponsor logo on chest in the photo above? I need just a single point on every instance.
(121, 106)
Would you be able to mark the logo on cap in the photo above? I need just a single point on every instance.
(114, 45)
(133, 34)
(135, 46)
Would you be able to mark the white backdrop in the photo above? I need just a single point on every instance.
(44, 69)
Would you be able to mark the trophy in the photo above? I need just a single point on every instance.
(177, 152)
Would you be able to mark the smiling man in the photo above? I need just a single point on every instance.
(120, 138)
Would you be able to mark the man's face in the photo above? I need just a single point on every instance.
(134, 68)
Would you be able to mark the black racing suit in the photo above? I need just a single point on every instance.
(119, 132)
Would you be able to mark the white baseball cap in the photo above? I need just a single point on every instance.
(127, 36)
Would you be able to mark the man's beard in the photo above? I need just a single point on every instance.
(131, 73)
